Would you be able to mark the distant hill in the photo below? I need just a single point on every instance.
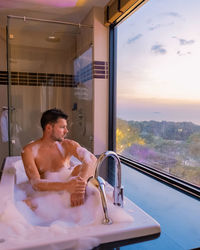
(173, 147)
(179, 131)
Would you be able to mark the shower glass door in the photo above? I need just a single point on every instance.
(49, 65)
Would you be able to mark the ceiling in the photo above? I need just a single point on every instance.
(61, 10)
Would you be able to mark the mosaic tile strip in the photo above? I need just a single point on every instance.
(97, 69)
(3, 77)
(100, 69)
(37, 79)
(84, 74)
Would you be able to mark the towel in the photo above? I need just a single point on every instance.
(4, 126)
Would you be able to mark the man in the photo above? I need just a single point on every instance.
(51, 152)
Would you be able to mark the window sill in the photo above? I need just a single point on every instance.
(182, 185)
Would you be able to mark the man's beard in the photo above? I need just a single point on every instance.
(54, 138)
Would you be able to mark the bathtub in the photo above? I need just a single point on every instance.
(21, 228)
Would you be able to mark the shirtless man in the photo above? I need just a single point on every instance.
(51, 152)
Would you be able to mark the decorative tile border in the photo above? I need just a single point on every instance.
(3, 77)
(37, 79)
(100, 69)
(84, 74)
(97, 69)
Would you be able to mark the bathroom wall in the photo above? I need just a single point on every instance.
(100, 78)
(101, 84)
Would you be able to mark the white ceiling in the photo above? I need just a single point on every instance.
(61, 10)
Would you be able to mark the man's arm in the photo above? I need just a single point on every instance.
(74, 185)
(85, 170)
(87, 159)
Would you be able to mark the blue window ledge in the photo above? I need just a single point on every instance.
(177, 212)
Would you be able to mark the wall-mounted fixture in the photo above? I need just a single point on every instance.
(52, 38)
(11, 36)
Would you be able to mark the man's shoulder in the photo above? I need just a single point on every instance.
(70, 143)
(31, 144)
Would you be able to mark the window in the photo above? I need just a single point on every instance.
(158, 87)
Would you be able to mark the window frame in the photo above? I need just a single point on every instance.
(167, 178)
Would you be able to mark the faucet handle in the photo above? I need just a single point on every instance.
(118, 195)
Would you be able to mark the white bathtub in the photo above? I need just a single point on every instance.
(18, 232)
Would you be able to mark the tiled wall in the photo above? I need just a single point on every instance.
(100, 69)
(97, 69)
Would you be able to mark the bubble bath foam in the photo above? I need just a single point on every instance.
(55, 224)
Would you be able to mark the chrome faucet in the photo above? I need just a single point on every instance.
(100, 184)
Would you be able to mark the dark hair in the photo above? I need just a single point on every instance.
(51, 116)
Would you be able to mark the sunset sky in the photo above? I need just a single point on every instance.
(158, 72)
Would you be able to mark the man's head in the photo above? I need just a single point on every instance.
(51, 116)
(54, 124)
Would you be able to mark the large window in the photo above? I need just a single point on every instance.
(158, 87)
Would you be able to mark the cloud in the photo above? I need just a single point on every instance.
(133, 39)
(157, 26)
(172, 14)
(180, 53)
(158, 49)
(184, 41)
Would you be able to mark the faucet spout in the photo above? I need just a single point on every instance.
(118, 189)
(100, 184)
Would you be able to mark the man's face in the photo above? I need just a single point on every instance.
(59, 130)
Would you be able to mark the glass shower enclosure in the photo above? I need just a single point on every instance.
(49, 65)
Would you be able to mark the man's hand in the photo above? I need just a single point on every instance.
(76, 185)
(77, 199)
(77, 190)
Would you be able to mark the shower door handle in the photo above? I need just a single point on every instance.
(6, 108)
